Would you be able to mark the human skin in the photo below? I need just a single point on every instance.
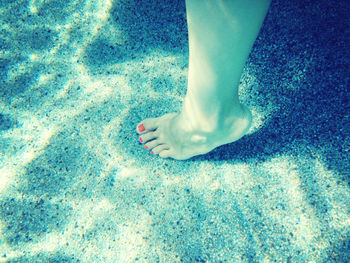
(221, 34)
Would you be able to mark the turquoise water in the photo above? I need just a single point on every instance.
(76, 186)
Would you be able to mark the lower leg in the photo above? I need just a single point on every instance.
(221, 35)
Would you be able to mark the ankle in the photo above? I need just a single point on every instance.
(218, 118)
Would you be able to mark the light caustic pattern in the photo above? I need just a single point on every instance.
(148, 211)
(39, 125)
(37, 129)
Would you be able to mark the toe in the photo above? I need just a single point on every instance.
(147, 125)
(144, 138)
(160, 148)
(152, 144)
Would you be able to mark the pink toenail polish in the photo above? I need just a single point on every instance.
(146, 147)
(152, 152)
(141, 127)
(141, 140)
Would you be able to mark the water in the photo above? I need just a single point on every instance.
(76, 186)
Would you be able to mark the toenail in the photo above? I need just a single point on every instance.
(141, 127)
(146, 147)
(141, 140)
(152, 152)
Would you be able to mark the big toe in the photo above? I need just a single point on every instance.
(146, 125)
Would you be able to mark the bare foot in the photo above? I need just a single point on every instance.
(172, 135)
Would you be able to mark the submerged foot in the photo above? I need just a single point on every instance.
(171, 135)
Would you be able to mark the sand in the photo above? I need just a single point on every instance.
(76, 186)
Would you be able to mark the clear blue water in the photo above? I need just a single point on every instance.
(76, 186)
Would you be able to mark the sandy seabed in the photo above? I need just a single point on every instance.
(76, 186)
